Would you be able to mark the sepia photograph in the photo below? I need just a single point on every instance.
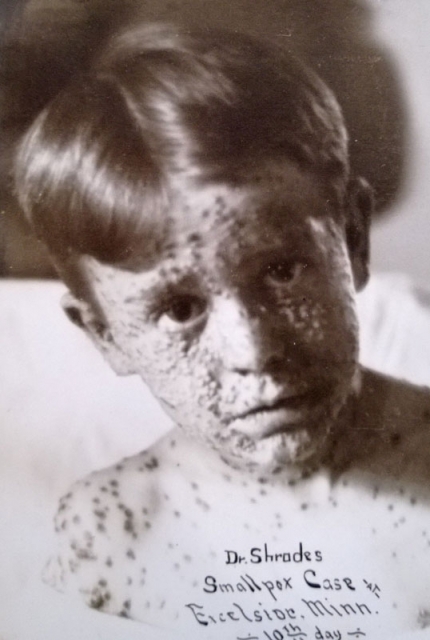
(215, 320)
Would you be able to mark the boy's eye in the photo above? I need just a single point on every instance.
(285, 272)
(182, 309)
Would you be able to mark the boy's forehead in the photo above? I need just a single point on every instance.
(212, 226)
(216, 229)
(219, 212)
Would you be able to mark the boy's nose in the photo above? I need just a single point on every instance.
(245, 344)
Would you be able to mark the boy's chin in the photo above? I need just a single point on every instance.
(295, 454)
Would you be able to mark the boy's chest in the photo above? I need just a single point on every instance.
(238, 560)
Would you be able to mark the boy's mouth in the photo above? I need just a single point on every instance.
(306, 399)
(293, 402)
(286, 414)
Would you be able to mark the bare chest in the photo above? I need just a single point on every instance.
(235, 559)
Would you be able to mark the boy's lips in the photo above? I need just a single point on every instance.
(292, 401)
(284, 415)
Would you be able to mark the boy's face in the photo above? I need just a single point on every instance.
(245, 325)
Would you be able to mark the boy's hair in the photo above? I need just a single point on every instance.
(94, 170)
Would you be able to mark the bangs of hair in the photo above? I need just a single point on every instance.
(244, 102)
(280, 110)
(87, 180)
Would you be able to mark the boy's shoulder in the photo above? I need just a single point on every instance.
(102, 519)
(123, 487)
(112, 524)
(387, 436)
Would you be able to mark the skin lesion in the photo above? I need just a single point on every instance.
(373, 449)
(257, 365)
(255, 298)
(101, 526)
(424, 618)
(237, 311)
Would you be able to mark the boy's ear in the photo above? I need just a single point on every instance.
(360, 205)
(82, 314)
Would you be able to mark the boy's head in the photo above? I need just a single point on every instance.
(194, 192)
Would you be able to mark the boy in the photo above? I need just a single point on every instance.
(195, 194)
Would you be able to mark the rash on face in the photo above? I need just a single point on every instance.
(245, 329)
